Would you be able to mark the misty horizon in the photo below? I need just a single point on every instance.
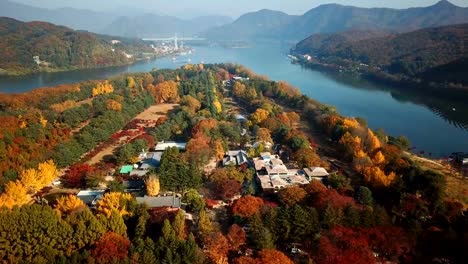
(189, 9)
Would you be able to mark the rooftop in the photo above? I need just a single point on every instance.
(162, 146)
(160, 201)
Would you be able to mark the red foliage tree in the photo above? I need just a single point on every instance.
(226, 189)
(236, 236)
(111, 247)
(76, 175)
(247, 206)
(343, 245)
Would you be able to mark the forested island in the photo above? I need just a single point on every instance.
(229, 132)
(431, 57)
(40, 46)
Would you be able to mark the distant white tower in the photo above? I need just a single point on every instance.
(176, 45)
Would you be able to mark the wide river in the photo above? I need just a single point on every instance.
(435, 123)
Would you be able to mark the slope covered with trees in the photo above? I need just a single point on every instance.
(58, 48)
(379, 206)
(435, 54)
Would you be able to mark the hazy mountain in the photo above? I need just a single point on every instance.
(262, 24)
(151, 25)
(332, 18)
(58, 48)
(133, 24)
(434, 53)
(70, 17)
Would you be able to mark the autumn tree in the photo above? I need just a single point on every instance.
(377, 177)
(14, 194)
(114, 105)
(114, 202)
(236, 236)
(193, 200)
(292, 195)
(205, 225)
(227, 189)
(111, 247)
(247, 206)
(217, 248)
(167, 91)
(272, 256)
(69, 204)
(259, 116)
(307, 157)
(103, 88)
(264, 134)
(152, 185)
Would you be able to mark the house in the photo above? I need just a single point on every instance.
(162, 146)
(241, 118)
(170, 202)
(235, 158)
(90, 197)
(266, 145)
(316, 173)
(273, 175)
(133, 185)
(126, 169)
(239, 79)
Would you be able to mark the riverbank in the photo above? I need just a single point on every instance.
(378, 76)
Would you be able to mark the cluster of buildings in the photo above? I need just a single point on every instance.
(271, 173)
(135, 184)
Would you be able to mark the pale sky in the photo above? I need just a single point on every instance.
(233, 8)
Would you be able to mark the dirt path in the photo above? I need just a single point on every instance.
(147, 118)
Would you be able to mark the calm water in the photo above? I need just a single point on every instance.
(436, 123)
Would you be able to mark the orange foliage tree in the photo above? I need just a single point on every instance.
(247, 206)
(293, 195)
(111, 248)
(167, 91)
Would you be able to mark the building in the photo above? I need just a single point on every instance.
(90, 197)
(170, 202)
(273, 175)
(235, 158)
(162, 146)
(316, 173)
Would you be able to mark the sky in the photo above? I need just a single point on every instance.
(192, 8)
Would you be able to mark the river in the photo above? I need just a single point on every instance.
(435, 123)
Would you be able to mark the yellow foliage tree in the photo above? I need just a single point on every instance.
(350, 123)
(375, 176)
(218, 150)
(30, 180)
(378, 158)
(113, 105)
(69, 204)
(259, 116)
(103, 88)
(167, 91)
(218, 106)
(15, 194)
(152, 186)
(373, 142)
(43, 121)
(113, 202)
(47, 172)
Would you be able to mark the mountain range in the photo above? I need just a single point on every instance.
(330, 18)
(112, 23)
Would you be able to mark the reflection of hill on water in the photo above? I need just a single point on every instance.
(449, 104)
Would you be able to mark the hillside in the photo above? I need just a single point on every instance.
(58, 48)
(431, 54)
(333, 18)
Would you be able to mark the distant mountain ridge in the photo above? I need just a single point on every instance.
(331, 18)
(151, 25)
(434, 54)
(41, 46)
(138, 25)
